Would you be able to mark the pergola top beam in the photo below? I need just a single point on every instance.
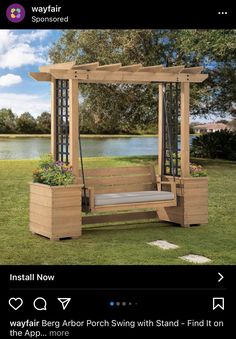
(119, 77)
(116, 73)
(102, 76)
(87, 67)
(131, 68)
(111, 67)
(173, 69)
(193, 70)
(65, 65)
(41, 76)
(151, 69)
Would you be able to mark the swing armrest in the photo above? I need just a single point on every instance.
(91, 198)
(172, 186)
(171, 183)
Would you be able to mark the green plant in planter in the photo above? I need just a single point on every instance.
(53, 173)
(197, 171)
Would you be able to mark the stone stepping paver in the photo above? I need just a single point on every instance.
(163, 244)
(196, 259)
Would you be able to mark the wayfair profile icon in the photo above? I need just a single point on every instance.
(15, 13)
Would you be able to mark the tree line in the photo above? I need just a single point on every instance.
(125, 108)
(10, 123)
(131, 109)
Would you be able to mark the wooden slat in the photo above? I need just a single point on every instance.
(192, 202)
(74, 127)
(72, 188)
(196, 219)
(40, 209)
(70, 201)
(111, 67)
(196, 210)
(135, 82)
(131, 68)
(67, 212)
(192, 179)
(139, 77)
(124, 188)
(63, 66)
(41, 219)
(121, 217)
(116, 171)
(65, 221)
(173, 69)
(196, 193)
(41, 200)
(167, 214)
(70, 231)
(39, 189)
(38, 228)
(153, 175)
(57, 221)
(185, 149)
(66, 194)
(151, 69)
(195, 184)
(137, 179)
(160, 130)
(53, 118)
(105, 76)
(82, 77)
(69, 74)
(193, 70)
(70, 211)
(115, 73)
(40, 76)
(87, 67)
(133, 206)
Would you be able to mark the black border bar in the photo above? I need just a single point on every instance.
(121, 14)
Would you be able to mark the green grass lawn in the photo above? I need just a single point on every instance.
(117, 244)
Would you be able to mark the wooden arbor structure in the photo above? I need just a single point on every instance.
(173, 83)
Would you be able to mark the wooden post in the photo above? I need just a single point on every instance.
(185, 171)
(53, 118)
(74, 126)
(160, 130)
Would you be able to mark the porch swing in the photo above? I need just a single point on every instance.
(126, 188)
(172, 195)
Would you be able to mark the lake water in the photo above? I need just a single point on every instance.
(31, 148)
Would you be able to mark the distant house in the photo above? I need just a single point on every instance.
(206, 128)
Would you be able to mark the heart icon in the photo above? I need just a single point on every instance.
(15, 303)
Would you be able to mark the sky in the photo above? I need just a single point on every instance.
(21, 52)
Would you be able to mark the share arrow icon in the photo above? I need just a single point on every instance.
(64, 302)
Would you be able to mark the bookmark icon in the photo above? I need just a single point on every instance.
(64, 302)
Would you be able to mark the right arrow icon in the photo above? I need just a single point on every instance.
(221, 277)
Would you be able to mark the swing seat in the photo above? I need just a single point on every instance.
(132, 197)
(127, 188)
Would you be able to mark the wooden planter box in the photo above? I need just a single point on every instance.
(55, 211)
(192, 200)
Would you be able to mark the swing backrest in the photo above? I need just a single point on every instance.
(121, 179)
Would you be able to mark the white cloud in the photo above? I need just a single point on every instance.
(34, 35)
(20, 103)
(21, 54)
(9, 80)
(17, 50)
(7, 38)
